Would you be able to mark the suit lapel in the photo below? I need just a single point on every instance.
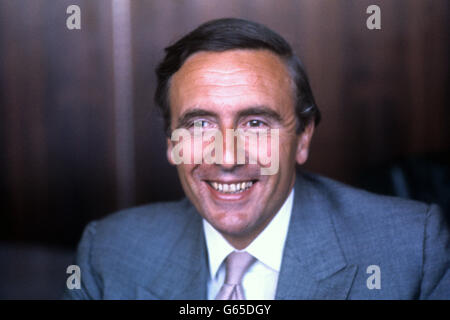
(313, 265)
(184, 272)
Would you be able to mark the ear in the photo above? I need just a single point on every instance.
(304, 141)
(169, 151)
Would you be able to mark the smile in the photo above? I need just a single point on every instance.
(231, 188)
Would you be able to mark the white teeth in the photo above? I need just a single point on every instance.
(232, 187)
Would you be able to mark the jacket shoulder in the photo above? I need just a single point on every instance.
(408, 240)
(372, 227)
(152, 222)
(349, 201)
(125, 250)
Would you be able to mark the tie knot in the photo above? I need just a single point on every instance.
(237, 264)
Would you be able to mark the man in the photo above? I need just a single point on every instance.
(243, 234)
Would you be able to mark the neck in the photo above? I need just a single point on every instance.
(240, 242)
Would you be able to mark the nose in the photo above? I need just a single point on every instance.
(229, 156)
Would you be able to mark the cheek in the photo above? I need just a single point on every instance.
(183, 150)
(288, 149)
(185, 173)
(191, 185)
(259, 146)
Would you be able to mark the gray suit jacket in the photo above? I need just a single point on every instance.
(336, 232)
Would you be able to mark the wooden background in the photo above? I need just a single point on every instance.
(79, 135)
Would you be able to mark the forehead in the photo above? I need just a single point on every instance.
(231, 79)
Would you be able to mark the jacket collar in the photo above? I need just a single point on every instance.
(313, 266)
(183, 275)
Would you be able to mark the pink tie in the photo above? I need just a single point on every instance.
(236, 265)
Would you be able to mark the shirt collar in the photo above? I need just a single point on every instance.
(267, 247)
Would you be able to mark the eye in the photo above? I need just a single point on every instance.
(201, 123)
(255, 123)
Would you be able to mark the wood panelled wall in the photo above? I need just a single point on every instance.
(79, 135)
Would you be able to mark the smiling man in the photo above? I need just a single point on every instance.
(247, 90)
(243, 234)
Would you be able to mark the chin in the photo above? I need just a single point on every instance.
(233, 227)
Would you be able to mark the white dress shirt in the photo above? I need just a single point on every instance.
(260, 280)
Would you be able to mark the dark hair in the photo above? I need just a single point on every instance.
(228, 34)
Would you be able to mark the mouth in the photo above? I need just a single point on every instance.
(231, 188)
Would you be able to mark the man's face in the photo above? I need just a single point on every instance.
(237, 89)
